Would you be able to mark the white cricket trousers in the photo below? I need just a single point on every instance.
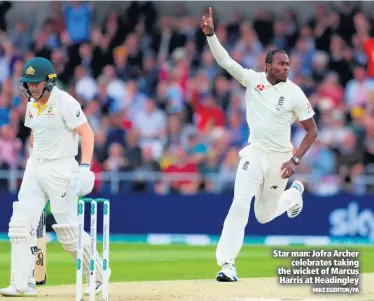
(45, 180)
(258, 176)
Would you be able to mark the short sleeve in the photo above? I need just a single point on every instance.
(72, 112)
(249, 78)
(303, 108)
(28, 117)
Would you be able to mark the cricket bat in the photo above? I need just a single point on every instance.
(40, 271)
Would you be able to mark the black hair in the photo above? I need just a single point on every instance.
(270, 55)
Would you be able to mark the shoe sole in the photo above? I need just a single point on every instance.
(295, 212)
(221, 277)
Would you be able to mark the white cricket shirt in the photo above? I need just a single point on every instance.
(270, 110)
(53, 126)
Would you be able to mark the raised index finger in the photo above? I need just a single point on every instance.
(210, 12)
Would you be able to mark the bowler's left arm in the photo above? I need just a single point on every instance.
(305, 113)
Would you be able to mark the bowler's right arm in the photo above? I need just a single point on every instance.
(221, 55)
(226, 62)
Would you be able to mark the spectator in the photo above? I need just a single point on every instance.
(183, 166)
(248, 45)
(115, 87)
(134, 101)
(227, 171)
(4, 110)
(10, 147)
(20, 37)
(319, 69)
(149, 80)
(85, 85)
(208, 170)
(100, 151)
(176, 132)
(209, 114)
(133, 152)
(320, 164)
(116, 160)
(195, 149)
(238, 130)
(148, 165)
(222, 92)
(332, 130)
(280, 40)
(358, 88)
(331, 88)
(90, 60)
(151, 125)
(92, 111)
(105, 101)
(77, 20)
(349, 163)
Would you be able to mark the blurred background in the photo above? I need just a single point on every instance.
(167, 119)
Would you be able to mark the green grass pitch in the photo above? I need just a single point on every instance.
(140, 262)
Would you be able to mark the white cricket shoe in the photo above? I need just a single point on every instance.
(295, 191)
(99, 286)
(11, 291)
(227, 273)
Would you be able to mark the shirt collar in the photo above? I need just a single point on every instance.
(51, 100)
(278, 85)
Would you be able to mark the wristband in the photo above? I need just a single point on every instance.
(85, 165)
(296, 160)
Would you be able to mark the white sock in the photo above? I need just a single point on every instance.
(297, 186)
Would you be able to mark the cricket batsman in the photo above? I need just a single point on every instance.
(52, 173)
(273, 103)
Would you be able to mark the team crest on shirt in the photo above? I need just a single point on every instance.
(280, 103)
(260, 87)
(30, 115)
(49, 113)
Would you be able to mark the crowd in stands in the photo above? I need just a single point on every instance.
(158, 102)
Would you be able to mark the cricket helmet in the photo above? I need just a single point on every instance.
(36, 70)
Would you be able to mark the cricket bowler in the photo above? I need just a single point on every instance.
(273, 103)
(52, 173)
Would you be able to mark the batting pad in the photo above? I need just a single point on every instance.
(23, 245)
(67, 235)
